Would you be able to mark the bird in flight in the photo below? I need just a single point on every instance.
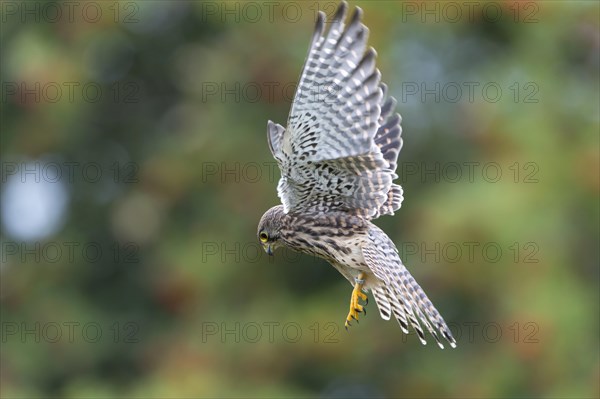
(338, 156)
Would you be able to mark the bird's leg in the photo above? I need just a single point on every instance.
(355, 307)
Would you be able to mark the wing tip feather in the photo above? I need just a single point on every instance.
(340, 13)
(319, 26)
(357, 15)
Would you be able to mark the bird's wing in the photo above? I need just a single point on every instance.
(400, 293)
(341, 144)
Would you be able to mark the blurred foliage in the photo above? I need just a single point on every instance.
(187, 88)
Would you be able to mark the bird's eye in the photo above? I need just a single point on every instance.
(264, 237)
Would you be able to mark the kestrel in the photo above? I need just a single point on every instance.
(338, 157)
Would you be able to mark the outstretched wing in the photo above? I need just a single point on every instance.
(400, 294)
(341, 144)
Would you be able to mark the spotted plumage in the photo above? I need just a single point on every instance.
(338, 157)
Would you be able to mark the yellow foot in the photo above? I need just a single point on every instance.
(355, 307)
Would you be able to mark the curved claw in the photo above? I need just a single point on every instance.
(355, 306)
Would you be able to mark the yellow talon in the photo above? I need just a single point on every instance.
(355, 307)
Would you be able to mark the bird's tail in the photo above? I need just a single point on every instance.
(409, 304)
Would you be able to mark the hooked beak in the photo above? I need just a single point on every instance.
(268, 249)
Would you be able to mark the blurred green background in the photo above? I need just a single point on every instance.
(135, 168)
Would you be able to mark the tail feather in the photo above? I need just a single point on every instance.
(423, 318)
(407, 309)
(432, 314)
(398, 310)
(385, 309)
(408, 301)
(417, 308)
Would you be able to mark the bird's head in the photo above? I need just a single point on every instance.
(269, 229)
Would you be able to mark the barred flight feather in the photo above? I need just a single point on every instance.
(339, 150)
